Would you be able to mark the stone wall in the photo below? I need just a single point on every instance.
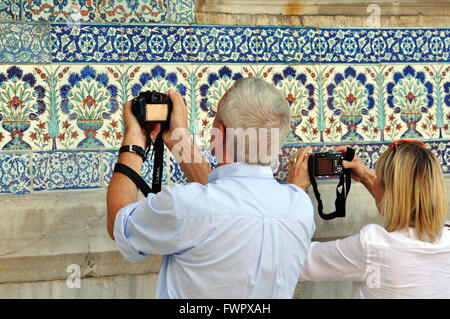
(56, 159)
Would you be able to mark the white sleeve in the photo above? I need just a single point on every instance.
(343, 259)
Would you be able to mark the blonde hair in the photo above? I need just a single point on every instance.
(414, 191)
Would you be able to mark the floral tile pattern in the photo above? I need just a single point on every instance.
(156, 43)
(70, 11)
(86, 43)
(181, 12)
(410, 45)
(66, 170)
(10, 9)
(287, 45)
(349, 45)
(15, 173)
(62, 86)
(133, 11)
(24, 105)
(25, 43)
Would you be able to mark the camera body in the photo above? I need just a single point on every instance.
(327, 163)
(151, 107)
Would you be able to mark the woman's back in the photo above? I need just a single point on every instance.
(383, 264)
(401, 266)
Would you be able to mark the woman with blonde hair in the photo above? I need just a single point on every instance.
(407, 257)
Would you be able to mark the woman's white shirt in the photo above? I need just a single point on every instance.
(383, 264)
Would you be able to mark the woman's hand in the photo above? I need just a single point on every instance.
(298, 168)
(358, 170)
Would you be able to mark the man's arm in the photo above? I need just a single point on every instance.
(121, 190)
(194, 166)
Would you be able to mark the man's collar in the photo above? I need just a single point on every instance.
(240, 170)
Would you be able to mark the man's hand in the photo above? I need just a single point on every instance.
(133, 132)
(178, 119)
(298, 168)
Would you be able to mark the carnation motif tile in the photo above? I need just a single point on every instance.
(414, 101)
(15, 173)
(89, 105)
(10, 9)
(66, 170)
(25, 107)
(25, 43)
(350, 111)
(299, 85)
(287, 45)
(148, 11)
(410, 45)
(343, 45)
(72, 12)
(85, 43)
(160, 78)
(160, 43)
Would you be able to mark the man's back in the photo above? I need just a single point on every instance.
(243, 235)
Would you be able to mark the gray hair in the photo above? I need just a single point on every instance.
(255, 107)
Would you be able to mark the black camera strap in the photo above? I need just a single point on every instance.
(158, 151)
(341, 194)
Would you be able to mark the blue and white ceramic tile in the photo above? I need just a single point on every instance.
(15, 173)
(71, 12)
(410, 45)
(10, 9)
(109, 159)
(225, 44)
(148, 11)
(25, 43)
(349, 45)
(162, 43)
(287, 45)
(66, 170)
(86, 43)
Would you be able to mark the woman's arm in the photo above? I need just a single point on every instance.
(343, 259)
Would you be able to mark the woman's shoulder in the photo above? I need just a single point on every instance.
(377, 235)
(374, 233)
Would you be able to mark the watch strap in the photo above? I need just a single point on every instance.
(135, 149)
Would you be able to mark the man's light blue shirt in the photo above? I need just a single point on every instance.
(243, 235)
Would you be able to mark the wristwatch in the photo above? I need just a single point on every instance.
(135, 149)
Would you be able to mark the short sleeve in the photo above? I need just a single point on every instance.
(343, 259)
(147, 227)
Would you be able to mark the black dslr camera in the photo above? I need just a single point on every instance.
(327, 163)
(152, 107)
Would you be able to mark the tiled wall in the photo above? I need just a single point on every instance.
(66, 70)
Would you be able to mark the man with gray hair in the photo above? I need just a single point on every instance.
(234, 232)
